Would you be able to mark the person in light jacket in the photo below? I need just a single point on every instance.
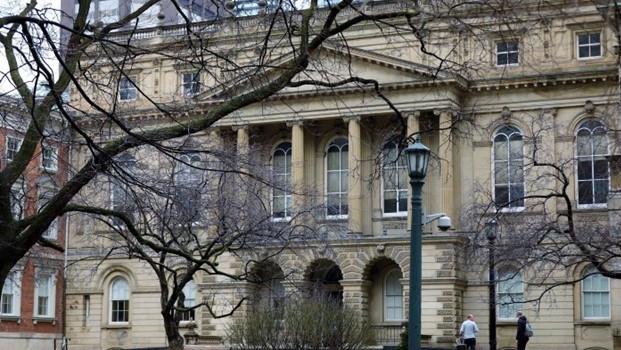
(469, 331)
(521, 338)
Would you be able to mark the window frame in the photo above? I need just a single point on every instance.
(128, 88)
(508, 53)
(343, 177)
(115, 308)
(591, 158)
(10, 152)
(191, 87)
(286, 175)
(503, 131)
(187, 173)
(18, 197)
(53, 167)
(515, 278)
(44, 197)
(396, 297)
(589, 45)
(399, 167)
(15, 289)
(127, 163)
(50, 304)
(589, 274)
(189, 290)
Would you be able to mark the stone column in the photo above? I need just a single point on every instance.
(354, 179)
(445, 152)
(243, 141)
(298, 180)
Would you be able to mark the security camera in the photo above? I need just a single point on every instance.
(444, 223)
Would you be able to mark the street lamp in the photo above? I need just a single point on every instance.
(418, 159)
(491, 229)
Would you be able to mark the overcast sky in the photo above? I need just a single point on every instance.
(13, 7)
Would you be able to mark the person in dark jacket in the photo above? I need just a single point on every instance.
(521, 338)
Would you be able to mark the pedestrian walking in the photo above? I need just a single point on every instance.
(521, 337)
(469, 331)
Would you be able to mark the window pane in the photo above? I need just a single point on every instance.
(501, 175)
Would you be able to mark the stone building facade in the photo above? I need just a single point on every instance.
(558, 69)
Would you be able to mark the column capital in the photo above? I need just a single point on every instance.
(240, 127)
(349, 118)
(293, 123)
(411, 114)
(450, 111)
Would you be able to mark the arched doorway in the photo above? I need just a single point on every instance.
(324, 278)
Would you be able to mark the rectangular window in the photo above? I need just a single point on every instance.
(120, 311)
(121, 199)
(191, 83)
(12, 146)
(589, 45)
(189, 183)
(127, 89)
(9, 302)
(44, 295)
(596, 296)
(507, 53)
(17, 202)
(49, 158)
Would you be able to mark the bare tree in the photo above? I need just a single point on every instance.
(181, 215)
(292, 46)
(96, 64)
(564, 218)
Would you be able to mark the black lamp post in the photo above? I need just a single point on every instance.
(491, 228)
(418, 159)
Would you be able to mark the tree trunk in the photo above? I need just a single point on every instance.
(175, 340)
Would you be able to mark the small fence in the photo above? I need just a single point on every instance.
(388, 335)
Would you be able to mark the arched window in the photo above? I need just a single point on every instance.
(337, 183)
(595, 295)
(510, 294)
(592, 172)
(281, 193)
(393, 297)
(508, 168)
(119, 300)
(394, 180)
(189, 291)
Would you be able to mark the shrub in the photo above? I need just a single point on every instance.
(309, 324)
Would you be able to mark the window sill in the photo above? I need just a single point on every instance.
(48, 170)
(589, 58)
(117, 326)
(43, 319)
(10, 318)
(600, 322)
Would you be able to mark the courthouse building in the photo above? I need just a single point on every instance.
(548, 78)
